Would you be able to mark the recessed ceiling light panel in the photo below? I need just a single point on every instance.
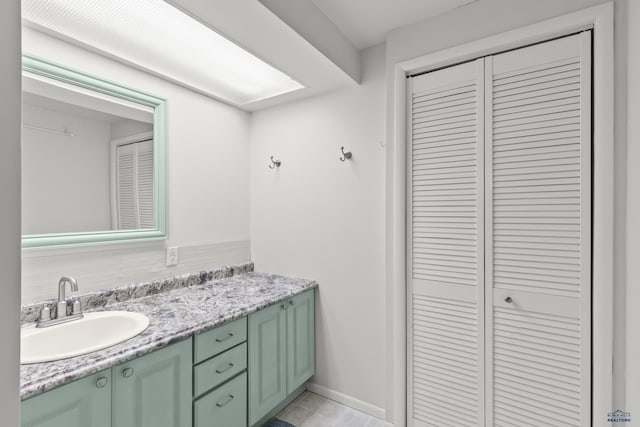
(156, 36)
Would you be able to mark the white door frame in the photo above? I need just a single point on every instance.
(600, 19)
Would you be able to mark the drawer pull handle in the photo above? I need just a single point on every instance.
(101, 382)
(127, 372)
(221, 404)
(225, 338)
(220, 371)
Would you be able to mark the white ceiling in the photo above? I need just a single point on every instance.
(315, 42)
(59, 93)
(39, 101)
(253, 26)
(366, 22)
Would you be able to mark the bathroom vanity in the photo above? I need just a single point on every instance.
(227, 353)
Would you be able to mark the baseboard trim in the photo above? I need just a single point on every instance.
(349, 401)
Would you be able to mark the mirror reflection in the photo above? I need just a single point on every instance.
(87, 160)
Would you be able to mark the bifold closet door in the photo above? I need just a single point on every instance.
(445, 244)
(499, 240)
(538, 234)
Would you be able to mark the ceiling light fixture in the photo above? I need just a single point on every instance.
(157, 37)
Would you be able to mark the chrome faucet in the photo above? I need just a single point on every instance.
(62, 302)
(61, 311)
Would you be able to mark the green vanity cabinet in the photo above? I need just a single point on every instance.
(267, 360)
(220, 376)
(301, 347)
(235, 375)
(154, 390)
(82, 403)
(281, 342)
(151, 391)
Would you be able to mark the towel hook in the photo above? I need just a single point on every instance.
(274, 163)
(345, 156)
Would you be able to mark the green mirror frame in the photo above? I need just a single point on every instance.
(64, 74)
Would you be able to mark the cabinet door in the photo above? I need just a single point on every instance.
(300, 340)
(267, 360)
(82, 403)
(154, 390)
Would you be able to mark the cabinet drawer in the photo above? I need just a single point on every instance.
(214, 372)
(224, 407)
(217, 340)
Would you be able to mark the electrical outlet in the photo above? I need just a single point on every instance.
(172, 256)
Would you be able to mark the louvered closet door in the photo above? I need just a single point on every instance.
(145, 184)
(126, 195)
(445, 295)
(538, 243)
(134, 186)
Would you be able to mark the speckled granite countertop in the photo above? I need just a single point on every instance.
(174, 316)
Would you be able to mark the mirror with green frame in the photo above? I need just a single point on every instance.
(93, 159)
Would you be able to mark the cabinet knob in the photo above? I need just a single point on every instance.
(101, 382)
(282, 306)
(127, 372)
(291, 302)
(508, 300)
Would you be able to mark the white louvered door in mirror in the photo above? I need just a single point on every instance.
(499, 240)
(133, 186)
(145, 184)
(446, 306)
(538, 234)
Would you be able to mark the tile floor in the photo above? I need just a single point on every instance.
(312, 410)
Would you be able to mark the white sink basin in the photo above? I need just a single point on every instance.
(93, 332)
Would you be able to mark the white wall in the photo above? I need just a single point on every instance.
(320, 218)
(65, 179)
(10, 128)
(208, 186)
(633, 214)
(475, 21)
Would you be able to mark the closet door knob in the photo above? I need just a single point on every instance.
(508, 300)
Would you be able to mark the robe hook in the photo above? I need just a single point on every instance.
(274, 163)
(345, 156)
